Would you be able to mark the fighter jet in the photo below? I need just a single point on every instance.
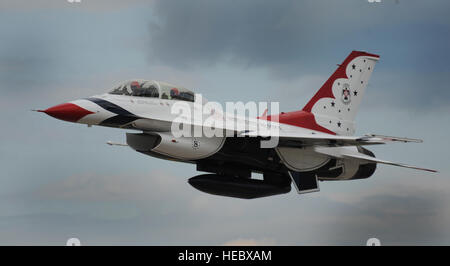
(316, 143)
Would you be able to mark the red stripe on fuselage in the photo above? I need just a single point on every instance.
(299, 119)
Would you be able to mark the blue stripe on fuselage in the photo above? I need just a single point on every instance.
(122, 117)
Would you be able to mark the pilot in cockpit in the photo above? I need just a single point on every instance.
(174, 93)
(135, 88)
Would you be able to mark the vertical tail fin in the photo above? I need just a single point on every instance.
(335, 104)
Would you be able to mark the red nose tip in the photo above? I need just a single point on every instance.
(67, 112)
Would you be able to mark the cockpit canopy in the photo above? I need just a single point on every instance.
(153, 89)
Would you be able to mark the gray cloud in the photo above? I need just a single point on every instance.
(147, 209)
(295, 38)
(267, 32)
(95, 5)
(256, 33)
(396, 220)
(26, 59)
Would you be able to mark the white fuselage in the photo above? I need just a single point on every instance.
(155, 116)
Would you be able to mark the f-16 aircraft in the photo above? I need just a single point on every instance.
(314, 144)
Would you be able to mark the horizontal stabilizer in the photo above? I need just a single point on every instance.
(375, 160)
(347, 152)
(382, 138)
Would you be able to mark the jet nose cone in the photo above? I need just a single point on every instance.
(67, 112)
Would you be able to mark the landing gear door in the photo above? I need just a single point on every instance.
(304, 182)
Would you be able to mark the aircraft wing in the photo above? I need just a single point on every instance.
(299, 139)
(342, 152)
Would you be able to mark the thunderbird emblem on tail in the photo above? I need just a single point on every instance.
(346, 97)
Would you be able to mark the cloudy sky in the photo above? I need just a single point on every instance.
(60, 180)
